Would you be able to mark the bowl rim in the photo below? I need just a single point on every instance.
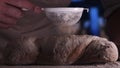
(54, 9)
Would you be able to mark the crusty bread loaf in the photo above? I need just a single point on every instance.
(61, 50)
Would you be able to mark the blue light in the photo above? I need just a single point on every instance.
(94, 20)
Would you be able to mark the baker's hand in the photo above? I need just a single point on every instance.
(12, 10)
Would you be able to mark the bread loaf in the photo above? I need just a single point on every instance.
(61, 50)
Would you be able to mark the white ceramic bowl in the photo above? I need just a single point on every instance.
(64, 16)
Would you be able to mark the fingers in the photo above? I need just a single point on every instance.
(24, 4)
(6, 22)
(11, 11)
(21, 3)
(8, 16)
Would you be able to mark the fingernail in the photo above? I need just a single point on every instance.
(36, 9)
(25, 9)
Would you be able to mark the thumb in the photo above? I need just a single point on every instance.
(35, 9)
(25, 5)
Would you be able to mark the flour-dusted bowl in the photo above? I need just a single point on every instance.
(64, 16)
